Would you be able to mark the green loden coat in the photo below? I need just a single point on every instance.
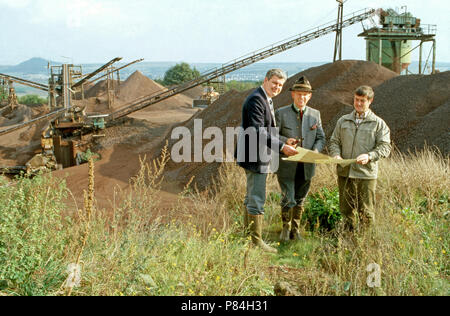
(310, 131)
(349, 141)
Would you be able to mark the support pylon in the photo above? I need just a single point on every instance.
(338, 42)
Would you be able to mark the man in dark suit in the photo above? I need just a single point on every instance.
(256, 144)
(303, 123)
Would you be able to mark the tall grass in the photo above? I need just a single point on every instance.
(198, 248)
(409, 240)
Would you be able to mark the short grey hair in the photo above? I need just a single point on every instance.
(365, 91)
(276, 72)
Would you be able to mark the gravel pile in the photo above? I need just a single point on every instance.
(417, 109)
(137, 85)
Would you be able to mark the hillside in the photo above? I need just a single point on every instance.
(35, 65)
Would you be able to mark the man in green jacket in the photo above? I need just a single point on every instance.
(363, 136)
(300, 122)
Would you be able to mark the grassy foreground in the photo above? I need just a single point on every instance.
(198, 248)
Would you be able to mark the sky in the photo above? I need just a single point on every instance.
(95, 31)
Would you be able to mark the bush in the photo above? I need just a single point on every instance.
(31, 236)
(322, 209)
(32, 99)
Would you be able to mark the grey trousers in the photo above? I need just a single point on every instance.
(294, 191)
(256, 192)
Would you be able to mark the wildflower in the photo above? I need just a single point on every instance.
(443, 252)
(295, 254)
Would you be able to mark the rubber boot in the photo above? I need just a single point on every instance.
(297, 212)
(286, 214)
(256, 233)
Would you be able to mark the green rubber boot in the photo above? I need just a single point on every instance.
(297, 212)
(286, 214)
(256, 233)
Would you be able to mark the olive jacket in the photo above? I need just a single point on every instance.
(349, 140)
(309, 130)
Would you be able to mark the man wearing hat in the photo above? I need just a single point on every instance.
(302, 123)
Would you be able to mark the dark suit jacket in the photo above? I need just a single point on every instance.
(257, 119)
(310, 130)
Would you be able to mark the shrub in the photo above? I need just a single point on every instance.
(31, 238)
(322, 209)
(32, 99)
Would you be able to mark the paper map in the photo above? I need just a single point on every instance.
(306, 155)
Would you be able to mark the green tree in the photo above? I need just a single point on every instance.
(32, 99)
(180, 73)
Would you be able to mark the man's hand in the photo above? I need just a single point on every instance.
(292, 141)
(362, 159)
(288, 150)
(337, 157)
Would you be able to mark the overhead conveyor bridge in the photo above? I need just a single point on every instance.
(25, 82)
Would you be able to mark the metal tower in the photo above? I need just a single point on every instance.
(390, 45)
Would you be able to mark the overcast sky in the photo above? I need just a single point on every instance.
(85, 31)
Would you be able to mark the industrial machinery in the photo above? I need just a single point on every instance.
(70, 130)
(7, 88)
(390, 45)
(208, 96)
(71, 126)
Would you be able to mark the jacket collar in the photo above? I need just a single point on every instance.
(296, 109)
(263, 92)
(352, 116)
